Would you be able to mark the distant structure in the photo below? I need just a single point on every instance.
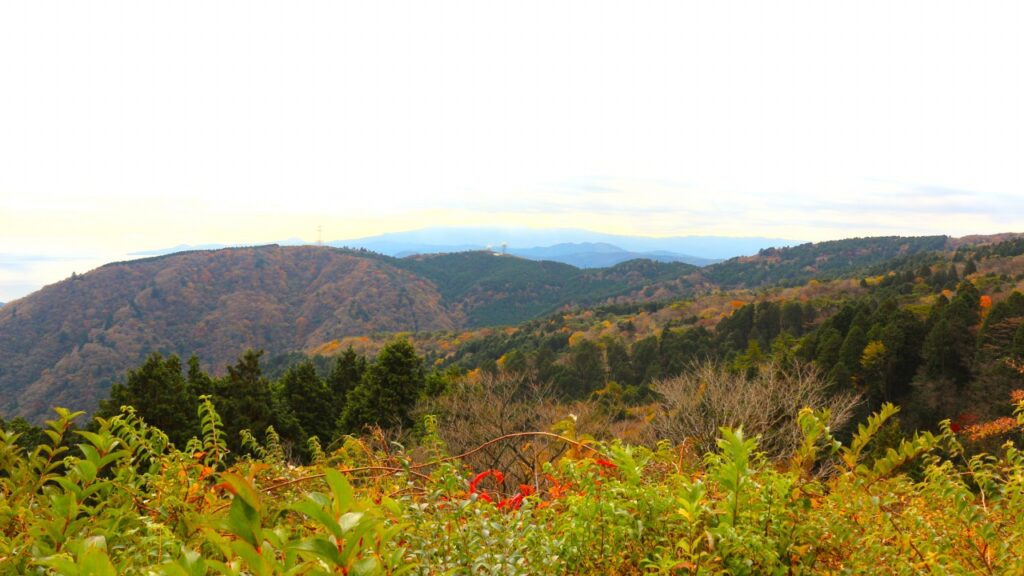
(504, 248)
(319, 235)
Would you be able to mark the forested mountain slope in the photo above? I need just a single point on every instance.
(824, 260)
(491, 289)
(64, 343)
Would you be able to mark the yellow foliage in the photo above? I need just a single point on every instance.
(576, 337)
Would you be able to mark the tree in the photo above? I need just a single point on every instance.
(970, 268)
(792, 319)
(830, 341)
(245, 401)
(852, 349)
(678, 348)
(308, 398)
(388, 391)
(160, 395)
(620, 368)
(646, 360)
(586, 370)
(346, 373)
(199, 382)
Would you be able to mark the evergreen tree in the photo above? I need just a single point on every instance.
(388, 390)
(852, 349)
(308, 398)
(199, 382)
(346, 373)
(646, 360)
(160, 395)
(620, 368)
(830, 341)
(1017, 350)
(767, 322)
(586, 372)
(952, 277)
(678, 348)
(970, 267)
(245, 400)
(792, 319)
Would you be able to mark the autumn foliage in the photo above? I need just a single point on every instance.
(121, 500)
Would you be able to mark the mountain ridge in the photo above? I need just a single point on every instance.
(66, 343)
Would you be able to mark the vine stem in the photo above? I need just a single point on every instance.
(413, 469)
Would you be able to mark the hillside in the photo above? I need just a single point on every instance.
(66, 342)
(824, 260)
(491, 290)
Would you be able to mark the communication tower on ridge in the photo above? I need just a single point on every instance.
(319, 235)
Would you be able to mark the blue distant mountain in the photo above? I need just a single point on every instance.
(580, 248)
(601, 255)
(585, 248)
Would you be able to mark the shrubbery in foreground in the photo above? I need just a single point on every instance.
(121, 500)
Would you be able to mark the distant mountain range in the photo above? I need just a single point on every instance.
(580, 248)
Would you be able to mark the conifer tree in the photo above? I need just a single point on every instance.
(388, 390)
(160, 395)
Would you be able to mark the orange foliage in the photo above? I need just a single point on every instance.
(996, 427)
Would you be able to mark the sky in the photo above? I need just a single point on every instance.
(134, 125)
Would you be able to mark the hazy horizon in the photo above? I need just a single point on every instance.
(134, 125)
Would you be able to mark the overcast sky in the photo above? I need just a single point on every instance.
(135, 125)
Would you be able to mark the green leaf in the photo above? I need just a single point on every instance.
(350, 520)
(342, 490)
(315, 511)
(321, 548)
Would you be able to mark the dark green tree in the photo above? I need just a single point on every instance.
(160, 395)
(199, 382)
(830, 341)
(346, 373)
(646, 360)
(970, 268)
(679, 347)
(245, 401)
(586, 370)
(307, 397)
(852, 349)
(388, 391)
(620, 367)
(792, 319)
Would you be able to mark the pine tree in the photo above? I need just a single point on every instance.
(245, 400)
(346, 373)
(160, 395)
(970, 267)
(307, 397)
(388, 390)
